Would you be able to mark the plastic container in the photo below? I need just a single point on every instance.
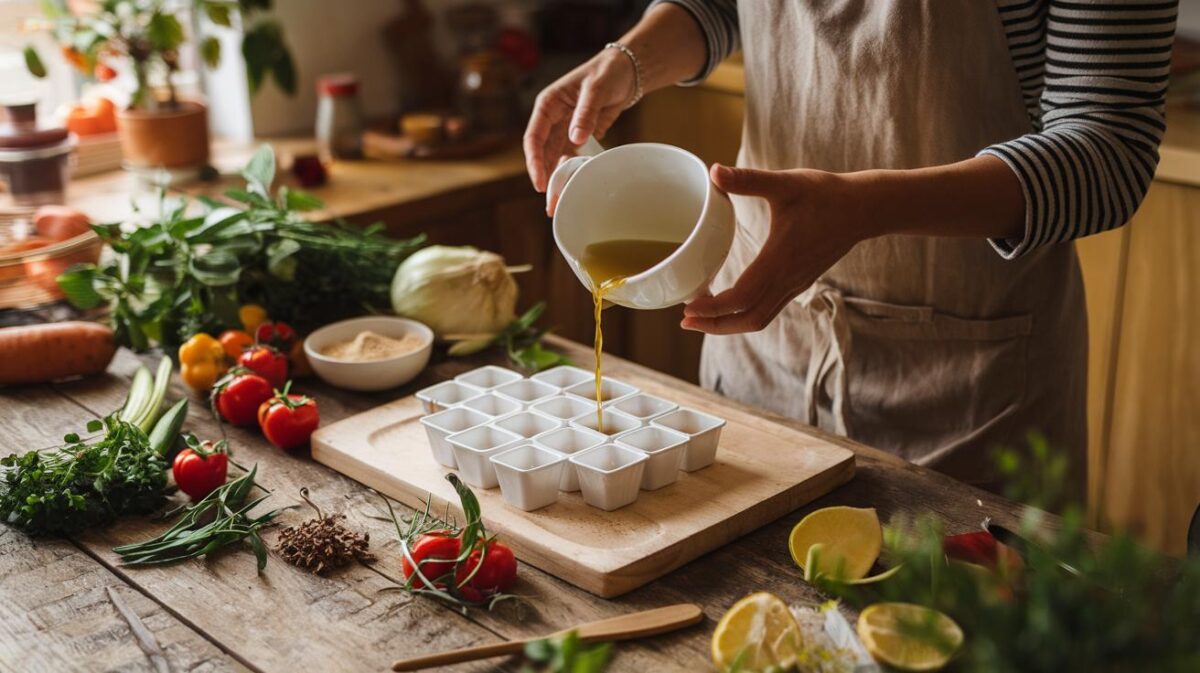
(610, 475)
(527, 424)
(563, 407)
(444, 423)
(529, 475)
(563, 376)
(488, 378)
(569, 441)
(643, 406)
(445, 395)
(526, 391)
(611, 390)
(703, 431)
(615, 422)
(493, 405)
(472, 449)
(664, 449)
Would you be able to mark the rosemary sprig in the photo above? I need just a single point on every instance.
(219, 520)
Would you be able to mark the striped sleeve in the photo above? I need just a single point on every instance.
(718, 21)
(1088, 164)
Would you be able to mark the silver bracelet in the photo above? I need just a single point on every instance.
(637, 71)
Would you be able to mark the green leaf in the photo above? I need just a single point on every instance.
(296, 199)
(94, 425)
(164, 31)
(78, 284)
(33, 63)
(260, 172)
(210, 51)
(284, 71)
(280, 260)
(219, 13)
(215, 269)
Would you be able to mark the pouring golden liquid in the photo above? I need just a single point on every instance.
(608, 264)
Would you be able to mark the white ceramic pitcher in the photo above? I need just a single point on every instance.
(643, 191)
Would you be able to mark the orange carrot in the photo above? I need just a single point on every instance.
(41, 353)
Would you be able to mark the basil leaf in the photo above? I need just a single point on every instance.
(33, 63)
(260, 172)
(78, 284)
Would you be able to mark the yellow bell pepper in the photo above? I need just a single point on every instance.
(201, 362)
(252, 315)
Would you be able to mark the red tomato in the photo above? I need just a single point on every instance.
(277, 334)
(496, 574)
(234, 341)
(199, 474)
(104, 72)
(434, 553)
(239, 394)
(288, 421)
(267, 363)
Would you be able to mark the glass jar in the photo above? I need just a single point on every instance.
(339, 118)
(34, 162)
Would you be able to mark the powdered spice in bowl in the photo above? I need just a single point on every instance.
(371, 353)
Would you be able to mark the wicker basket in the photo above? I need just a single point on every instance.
(27, 277)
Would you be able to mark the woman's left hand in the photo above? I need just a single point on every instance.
(815, 221)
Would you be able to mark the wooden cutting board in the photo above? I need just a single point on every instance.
(763, 471)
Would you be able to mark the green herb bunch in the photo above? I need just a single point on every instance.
(187, 274)
(566, 654)
(1075, 605)
(83, 484)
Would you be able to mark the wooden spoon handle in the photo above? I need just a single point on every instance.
(635, 625)
(459, 656)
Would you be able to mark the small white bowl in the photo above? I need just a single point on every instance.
(370, 375)
(444, 395)
(492, 404)
(563, 376)
(527, 424)
(444, 423)
(665, 449)
(611, 390)
(473, 447)
(643, 406)
(529, 475)
(526, 391)
(610, 475)
(563, 407)
(569, 441)
(615, 422)
(703, 431)
(489, 377)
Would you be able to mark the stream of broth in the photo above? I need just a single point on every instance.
(609, 263)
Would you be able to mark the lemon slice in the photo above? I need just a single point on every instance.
(759, 633)
(887, 631)
(850, 539)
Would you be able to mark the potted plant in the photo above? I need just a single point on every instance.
(139, 41)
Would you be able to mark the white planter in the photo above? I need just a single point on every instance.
(473, 448)
(444, 423)
(664, 450)
(569, 441)
(703, 431)
(529, 475)
(610, 475)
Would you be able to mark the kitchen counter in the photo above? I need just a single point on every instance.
(220, 615)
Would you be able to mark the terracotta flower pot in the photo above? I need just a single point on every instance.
(176, 138)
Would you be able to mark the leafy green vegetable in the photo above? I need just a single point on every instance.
(522, 342)
(189, 274)
(1124, 608)
(219, 520)
(83, 484)
(566, 654)
(33, 63)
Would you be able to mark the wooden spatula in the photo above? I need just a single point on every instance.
(634, 625)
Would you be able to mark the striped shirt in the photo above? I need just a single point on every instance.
(1094, 80)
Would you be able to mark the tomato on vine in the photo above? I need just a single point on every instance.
(287, 420)
(267, 363)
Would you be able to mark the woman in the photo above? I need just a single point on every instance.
(911, 175)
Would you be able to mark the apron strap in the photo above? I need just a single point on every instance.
(829, 347)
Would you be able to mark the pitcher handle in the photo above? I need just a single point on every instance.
(560, 176)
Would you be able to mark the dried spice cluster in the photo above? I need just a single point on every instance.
(323, 543)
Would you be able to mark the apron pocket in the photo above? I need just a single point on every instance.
(922, 384)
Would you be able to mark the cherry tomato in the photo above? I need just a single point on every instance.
(267, 363)
(496, 574)
(288, 421)
(277, 334)
(434, 553)
(238, 396)
(200, 473)
(234, 341)
(104, 72)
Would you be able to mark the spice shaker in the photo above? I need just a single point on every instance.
(34, 162)
(339, 117)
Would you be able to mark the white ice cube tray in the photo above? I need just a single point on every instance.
(538, 432)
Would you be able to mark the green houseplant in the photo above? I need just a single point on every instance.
(140, 41)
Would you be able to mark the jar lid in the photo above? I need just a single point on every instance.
(19, 129)
(341, 84)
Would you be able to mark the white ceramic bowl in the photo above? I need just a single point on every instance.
(703, 431)
(444, 423)
(529, 475)
(371, 375)
(569, 441)
(664, 449)
(644, 191)
(610, 475)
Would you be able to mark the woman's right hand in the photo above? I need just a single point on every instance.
(584, 102)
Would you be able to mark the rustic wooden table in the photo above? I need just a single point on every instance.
(217, 615)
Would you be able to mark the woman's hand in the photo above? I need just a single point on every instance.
(815, 221)
(582, 103)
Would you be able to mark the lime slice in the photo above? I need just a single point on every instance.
(909, 637)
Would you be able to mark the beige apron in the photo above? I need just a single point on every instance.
(935, 349)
